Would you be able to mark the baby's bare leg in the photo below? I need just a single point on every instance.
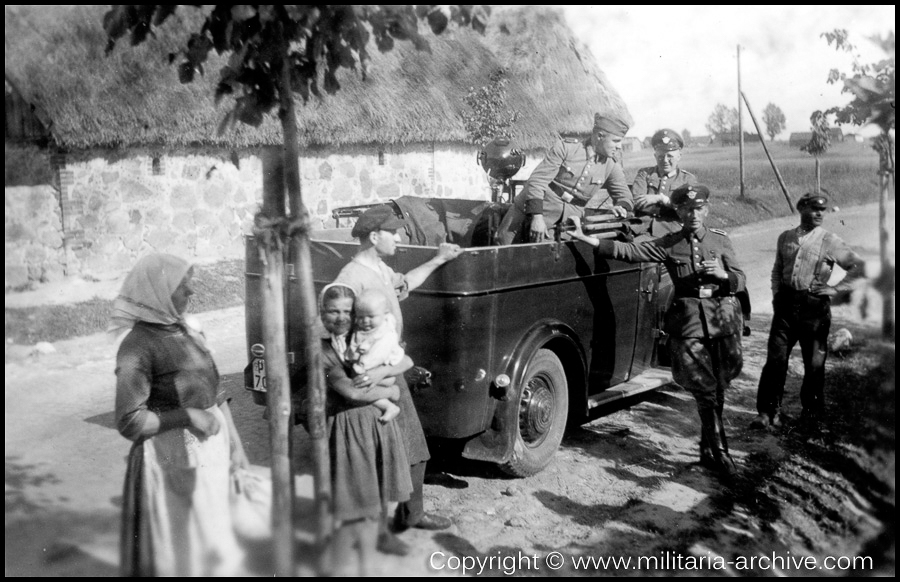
(390, 410)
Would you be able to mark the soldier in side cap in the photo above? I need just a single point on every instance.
(801, 297)
(376, 230)
(653, 185)
(572, 172)
(704, 323)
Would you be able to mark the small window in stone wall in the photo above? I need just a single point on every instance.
(381, 156)
(157, 166)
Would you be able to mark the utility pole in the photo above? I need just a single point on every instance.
(740, 121)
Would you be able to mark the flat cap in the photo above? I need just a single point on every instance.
(814, 199)
(376, 218)
(610, 125)
(666, 140)
(690, 195)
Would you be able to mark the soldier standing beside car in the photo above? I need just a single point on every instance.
(571, 173)
(801, 298)
(653, 185)
(704, 322)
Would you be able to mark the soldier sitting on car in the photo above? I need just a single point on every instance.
(572, 172)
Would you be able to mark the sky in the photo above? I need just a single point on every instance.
(672, 64)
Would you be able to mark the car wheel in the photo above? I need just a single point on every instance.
(543, 407)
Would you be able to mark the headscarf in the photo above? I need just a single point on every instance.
(339, 343)
(146, 294)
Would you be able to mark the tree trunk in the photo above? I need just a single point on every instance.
(818, 176)
(277, 374)
(885, 250)
(307, 311)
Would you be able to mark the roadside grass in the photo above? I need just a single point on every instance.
(848, 173)
(216, 286)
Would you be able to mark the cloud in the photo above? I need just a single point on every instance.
(673, 64)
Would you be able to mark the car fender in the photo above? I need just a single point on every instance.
(496, 443)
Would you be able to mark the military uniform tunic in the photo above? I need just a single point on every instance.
(704, 322)
(649, 182)
(568, 177)
(799, 316)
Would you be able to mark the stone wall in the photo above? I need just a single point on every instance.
(105, 212)
(34, 244)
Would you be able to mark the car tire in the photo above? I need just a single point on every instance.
(541, 416)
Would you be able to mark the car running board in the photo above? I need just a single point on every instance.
(651, 379)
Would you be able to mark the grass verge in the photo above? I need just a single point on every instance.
(216, 286)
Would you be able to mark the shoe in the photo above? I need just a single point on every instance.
(433, 522)
(388, 543)
(761, 422)
(778, 420)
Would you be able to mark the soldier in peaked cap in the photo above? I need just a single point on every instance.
(704, 322)
(801, 298)
(572, 172)
(653, 186)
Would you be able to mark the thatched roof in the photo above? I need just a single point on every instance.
(55, 57)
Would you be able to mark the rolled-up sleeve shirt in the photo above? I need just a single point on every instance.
(803, 259)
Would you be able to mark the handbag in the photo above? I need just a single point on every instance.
(250, 497)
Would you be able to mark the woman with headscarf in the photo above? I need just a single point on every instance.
(369, 464)
(176, 515)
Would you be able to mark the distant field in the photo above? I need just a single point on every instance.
(848, 173)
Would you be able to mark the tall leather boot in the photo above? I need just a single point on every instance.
(706, 456)
(710, 426)
(722, 436)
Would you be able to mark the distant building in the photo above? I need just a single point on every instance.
(632, 144)
(698, 141)
(731, 138)
(799, 139)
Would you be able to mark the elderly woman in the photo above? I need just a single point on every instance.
(176, 519)
(369, 464)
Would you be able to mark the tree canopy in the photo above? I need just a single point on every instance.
(774, 119)
(722, 121)
(316, 42)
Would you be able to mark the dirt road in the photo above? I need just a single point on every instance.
(624, 486)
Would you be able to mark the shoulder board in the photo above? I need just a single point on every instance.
(718, 231)
(571, 140)
(686, 173)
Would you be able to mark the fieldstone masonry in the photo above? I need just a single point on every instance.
(103, 213)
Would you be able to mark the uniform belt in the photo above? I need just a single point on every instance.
(700, 294)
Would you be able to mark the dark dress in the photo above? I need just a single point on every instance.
(369, 464)
(175, 509)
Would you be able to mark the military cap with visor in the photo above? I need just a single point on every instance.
(690, 196)
(377, 218)
(610, 125)
(816, 200)
(666, 140)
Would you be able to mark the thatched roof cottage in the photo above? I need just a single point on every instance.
(140, 165)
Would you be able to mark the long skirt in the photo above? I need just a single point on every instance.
(176, 513)
(369, 465)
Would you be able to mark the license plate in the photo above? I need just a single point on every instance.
(259, 374)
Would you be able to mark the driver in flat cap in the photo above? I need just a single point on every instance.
(801, 298)
(572, 172)
(704, 323)
(653, 186)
